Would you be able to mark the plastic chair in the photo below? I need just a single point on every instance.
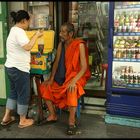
(77, 110)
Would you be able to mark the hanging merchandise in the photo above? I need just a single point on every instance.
(41, 20)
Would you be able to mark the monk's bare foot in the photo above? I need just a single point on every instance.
(52, 117)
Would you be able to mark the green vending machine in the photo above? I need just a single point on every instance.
(4, 85)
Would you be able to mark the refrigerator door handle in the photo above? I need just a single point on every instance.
(111, 37)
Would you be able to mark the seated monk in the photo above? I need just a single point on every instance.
(69, 75)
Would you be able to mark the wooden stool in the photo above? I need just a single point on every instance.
(104, 69)
(38, 80)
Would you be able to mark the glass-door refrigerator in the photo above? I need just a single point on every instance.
(123, 91)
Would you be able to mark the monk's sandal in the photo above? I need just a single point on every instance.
(72, 130)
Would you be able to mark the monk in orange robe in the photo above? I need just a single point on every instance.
(76, 75)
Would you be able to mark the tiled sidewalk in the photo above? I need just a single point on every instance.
(90, 126)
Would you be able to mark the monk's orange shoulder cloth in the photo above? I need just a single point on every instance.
(59, 94)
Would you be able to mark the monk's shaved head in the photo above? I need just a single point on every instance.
(70, 27)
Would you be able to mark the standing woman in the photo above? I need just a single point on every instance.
(18, 67)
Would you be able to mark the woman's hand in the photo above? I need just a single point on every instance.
(39, 33)
(72, 86)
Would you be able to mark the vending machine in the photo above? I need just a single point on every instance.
(42, 17)
(42, 51)
(123, 91)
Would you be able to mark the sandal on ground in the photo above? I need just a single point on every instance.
(12, 119)
(72, 129)
(26, 123)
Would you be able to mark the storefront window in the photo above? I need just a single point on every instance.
(90, 19)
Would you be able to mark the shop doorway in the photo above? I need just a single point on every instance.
(90, 19)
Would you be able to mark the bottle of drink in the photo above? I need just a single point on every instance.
(130, 69)
(124, 53)
(126, 77)
(134, 78)
(138, 77)
(40, 45)
(122, 74)
(131, 78)
(118, 54)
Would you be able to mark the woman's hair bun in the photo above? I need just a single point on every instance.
(13, 15)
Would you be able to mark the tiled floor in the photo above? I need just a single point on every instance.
(94, 83)
(90, 126)
(95, 101)
(96, 106)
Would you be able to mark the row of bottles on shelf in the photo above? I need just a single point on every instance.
(127, 21)
(130, 3)
(127, 42)
(127, 47)
(129, 75)
(126, 75)
(126, 53)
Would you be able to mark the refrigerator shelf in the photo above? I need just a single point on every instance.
(124, 90)
(127, 34)
(127, 7)
(129, 86)
(126, 60)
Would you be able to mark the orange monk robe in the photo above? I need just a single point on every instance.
(59, 94)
